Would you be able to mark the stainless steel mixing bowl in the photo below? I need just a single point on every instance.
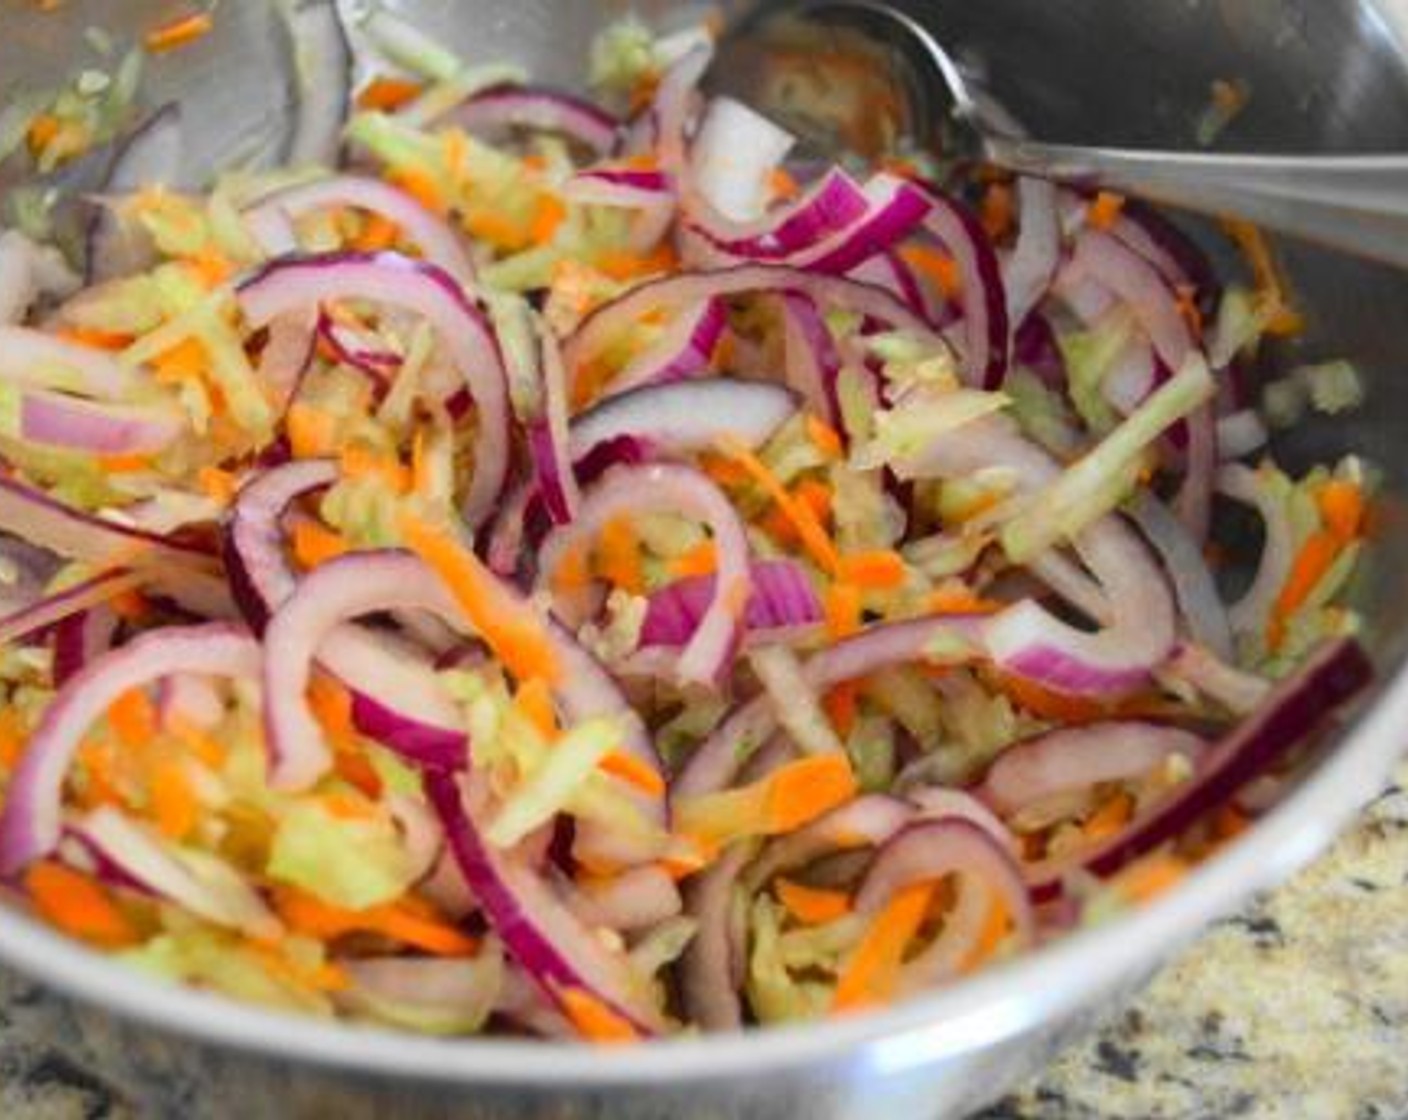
(1326, 75)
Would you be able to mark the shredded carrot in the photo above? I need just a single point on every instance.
(408, 920)
(533, 701)
(812, 906)
(132, 718)
(782, 186)
(619, 558)
(1229, 822)
(515, 633)
(314, 543)
(387, 94)
(495, 227)
(956, 599)
(1341, 508)
(548, 217)
(881, 570)
(1105, 210)
(802, 516)
(420, 186)
(186, 361)
(594, 1019)
(78, 905)
(872, 972)
(1150, 877)
(998, 211)
(101, 780)
(42, 131)
(1267, 274)
(312, 433)
(12, 737)
(356, 769)
(323, 978)
(130, 605)
(700, 560)
(1315, 558)
(1109, 818)
(629, 768)
(92, 336)
(378, 232)
(216, 483)
(210, 269)
(937, 266)
(357, 461)
(331, 704)
(842, 604)
(841, 703)
(174, 805)
(801, 791)
(179, 33)
(130, 463)
(824, 437)
(203, 746)
(637, 266)
(994, 930)
(573, 571)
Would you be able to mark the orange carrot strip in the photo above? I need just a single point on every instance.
(629, 768)
(873, 571)
(1150, 877)
(386, 93)
(12, 737)
(91, 336)
(1105, 211)
(824, 437)
(420, 186)
(378, 232)
(937, 266)
(312, 433)
(216, 483)
(994, 930)
(130, 605)
(132, 718)
(812, 906)
(132, 462)
(871, 974)
(407, 920)
(960, 600)
(631, 266)
(841, 602)
(77, 905)
(550, 214)
(358, 461)
(1257, 251)
(331, 704)
(174, 805)
(1315, 558)
(799, 513)
(1342, 508)
(782, 186)
(594, 1019)
(840, 704)
(1109, 818)
(515, 633)
(801, 791)
(700, 560)
(533, 701)
(179, 33)
(314, 543)
(618, 558)
(998, 212)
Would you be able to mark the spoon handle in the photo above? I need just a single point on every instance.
(1356, 204)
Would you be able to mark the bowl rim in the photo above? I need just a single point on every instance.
(1036, 989)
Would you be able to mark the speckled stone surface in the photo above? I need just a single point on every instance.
(1297, 1008)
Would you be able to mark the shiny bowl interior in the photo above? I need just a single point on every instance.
(1324, 75)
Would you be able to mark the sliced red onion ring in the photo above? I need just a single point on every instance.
(1194, 586)
(81, 637)
(197, 882)
(28, 271)
(1165, 246)
(323, 68)
(686, 349)
(692, 289)
(48, 523)
(1029, 271)
(149, 156)
(1297, 707)
(457, 994)
(929, 850)
(634, 900)
(1105, 259)
(649, 193)
(1238, 691)
(866, 822)
(288, 352)
(889, 270)
(99, 428)
(813, 363)
(547, 435)
(556, 949)
(35, 359)
(332, 594)
(782, 601)
(438, 243)
(260, 576)
(715, 762)
(294, 283)
(30, 826)
(1250, 613)
(833, 203)
(1079, 758)
(987, 339)
(712, 958)
(673, 109)
(360, 350)
(191, 699)
(631, 491)
(495, 111)
(61, 606)
(684, 417)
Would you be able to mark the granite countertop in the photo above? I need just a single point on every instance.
(1296, 1008)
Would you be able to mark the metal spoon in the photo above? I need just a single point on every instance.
(857, 74)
